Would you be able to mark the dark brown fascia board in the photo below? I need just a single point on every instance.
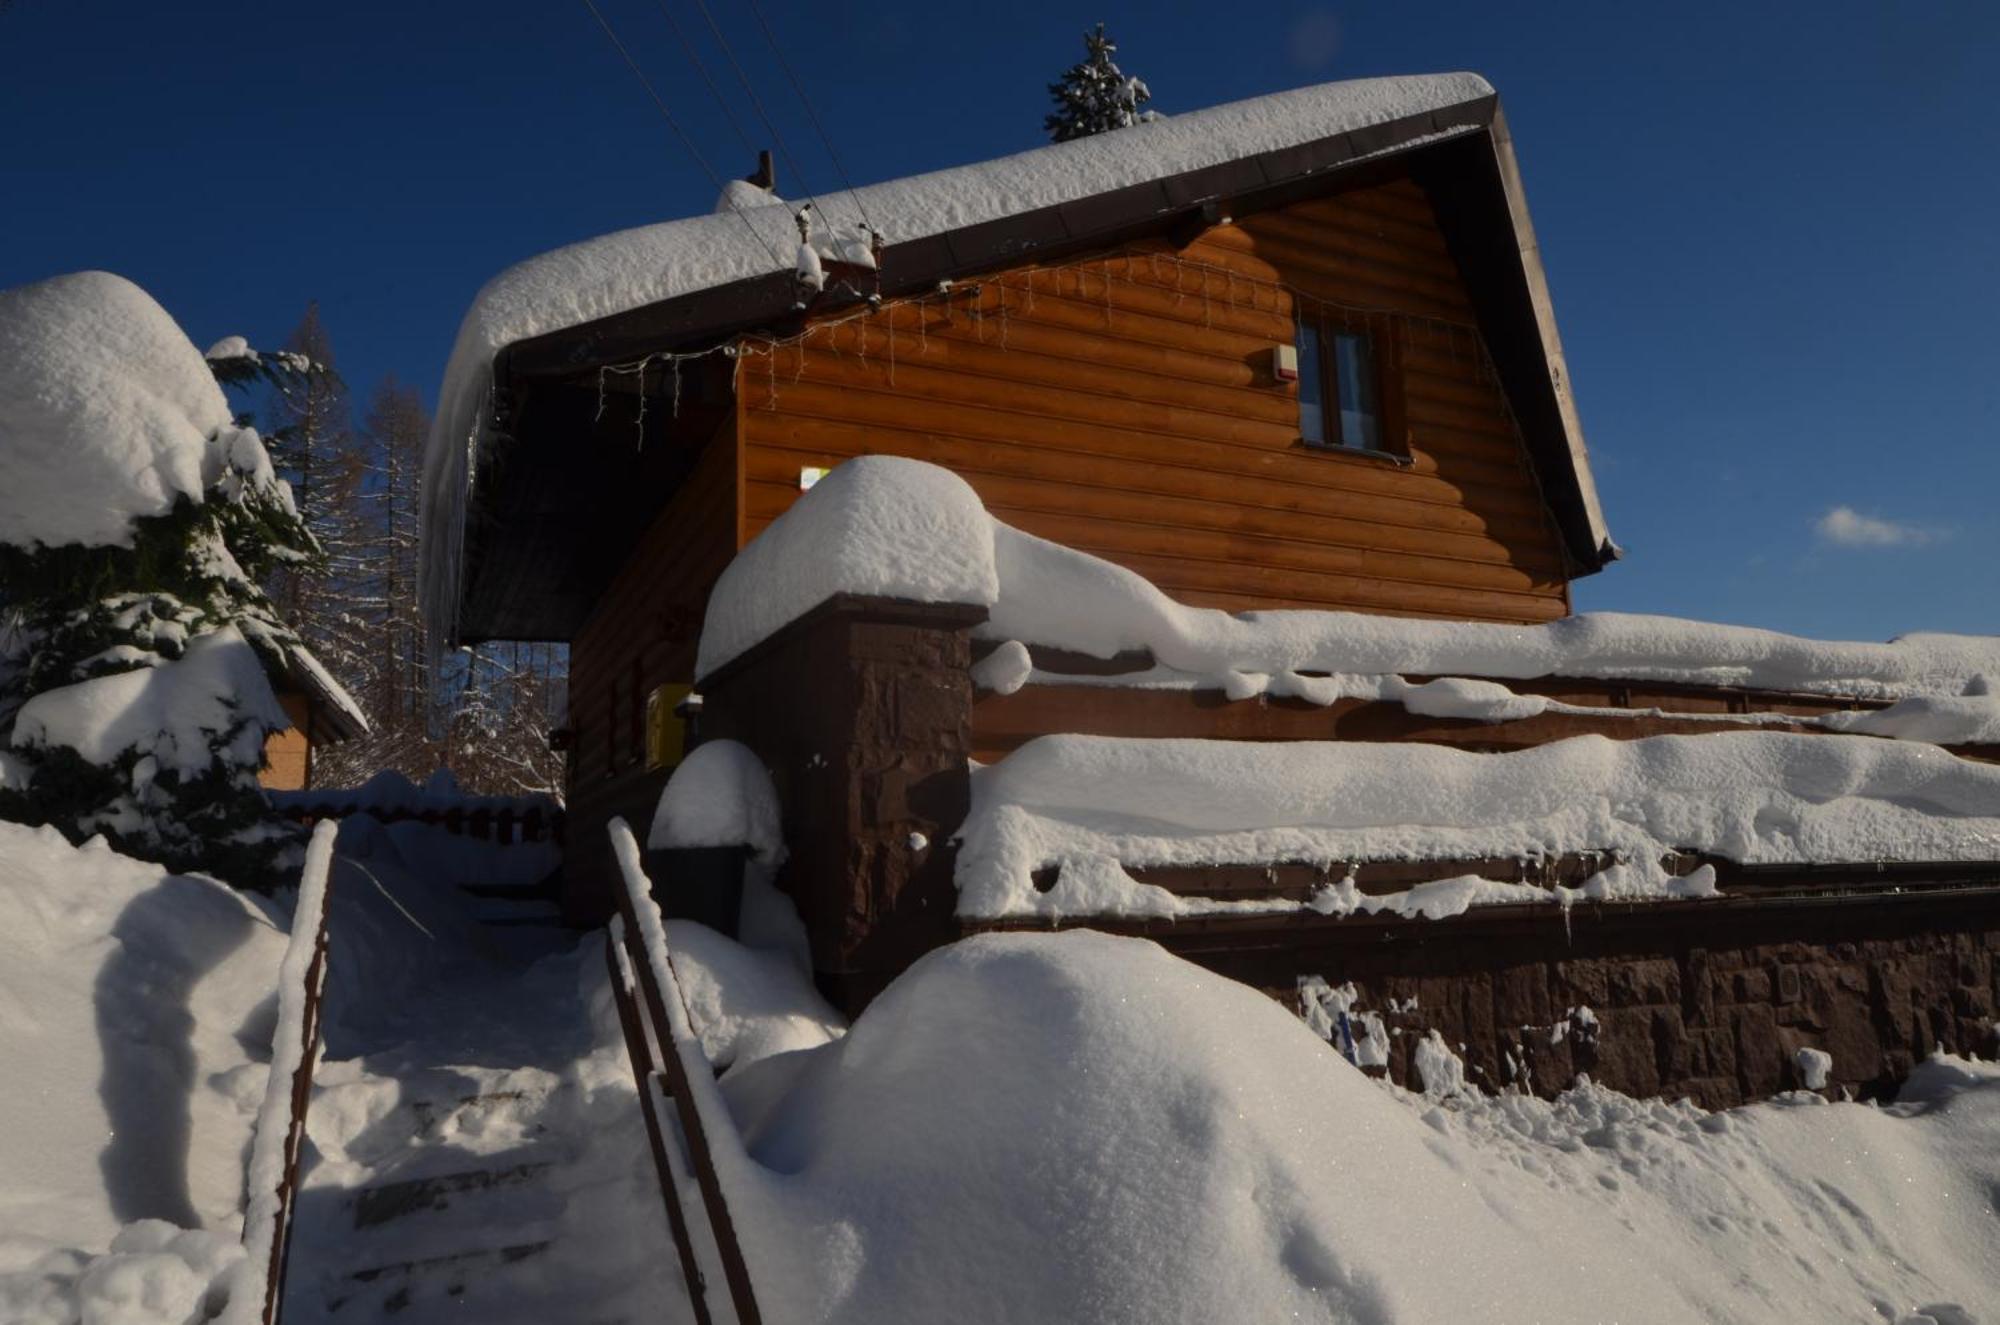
(708, 316)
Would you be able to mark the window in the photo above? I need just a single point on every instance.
(1341, 397)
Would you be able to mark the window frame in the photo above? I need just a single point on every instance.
(1383, 337)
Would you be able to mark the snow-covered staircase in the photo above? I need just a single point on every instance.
(486, 1163)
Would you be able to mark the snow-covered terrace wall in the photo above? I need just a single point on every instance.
(889, 527)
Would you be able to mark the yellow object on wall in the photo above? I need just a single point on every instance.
(666, 734)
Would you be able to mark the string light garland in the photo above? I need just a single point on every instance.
(1284, 298)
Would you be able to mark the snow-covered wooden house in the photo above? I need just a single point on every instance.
(1292, 353)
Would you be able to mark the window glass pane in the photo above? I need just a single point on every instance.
(1360, 417)
(1312, 390)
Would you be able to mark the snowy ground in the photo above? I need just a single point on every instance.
(1024, 1127)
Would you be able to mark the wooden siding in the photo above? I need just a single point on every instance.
(642, 634)
(1124, 405)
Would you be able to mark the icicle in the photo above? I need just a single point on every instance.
(892, 349)
(1002, 292)
(599, 416)
(675, 363)
(642, 403)
(923, 330)
(771, 369)
(799, 363)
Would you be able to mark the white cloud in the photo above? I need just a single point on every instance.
(1847, 527)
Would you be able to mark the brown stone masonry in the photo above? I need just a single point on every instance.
(862, 711)
(1710, 999)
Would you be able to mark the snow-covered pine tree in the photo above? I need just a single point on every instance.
(137, 518)
(1094, 96)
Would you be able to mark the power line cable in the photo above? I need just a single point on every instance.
(687, 47)
(751, 92)
(825, 139)
(679, 132)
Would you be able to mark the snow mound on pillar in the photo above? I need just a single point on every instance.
(176, 712)
(106, 411)
(720, 796)
(879, 526)
(1082, 1127)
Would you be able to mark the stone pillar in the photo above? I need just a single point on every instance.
(862, 710)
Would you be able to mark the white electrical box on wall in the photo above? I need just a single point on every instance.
(1285, 363)
(809, 475)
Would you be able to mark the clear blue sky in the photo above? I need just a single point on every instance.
(1770, 229)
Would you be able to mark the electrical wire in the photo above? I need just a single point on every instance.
(791, 163)
(825, 139)
(679, 132)
(687, 47)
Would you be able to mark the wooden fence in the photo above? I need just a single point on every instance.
(281, 1121)
(668, 1063)
(506, 825)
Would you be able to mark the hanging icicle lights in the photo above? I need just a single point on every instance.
(1012, 295)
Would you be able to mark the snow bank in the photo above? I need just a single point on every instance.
(175, 712)
(633, 268)
(134, 1011)
(1081, 1127)
(153, 1274)
(878, 525)
(746, 1004)
(1093, 805)
(720, 796)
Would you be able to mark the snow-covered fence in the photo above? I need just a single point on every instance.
(272, 1180)
(392, 798)
(667, 1060)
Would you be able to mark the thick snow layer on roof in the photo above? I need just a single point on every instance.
(128, 997)
(173, 712)
(880, 525)
(1094, 805)
(633, 268)
(106, 411)
(1082, 1127)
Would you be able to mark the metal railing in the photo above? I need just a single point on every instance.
(668, 1063)
(272, 1181)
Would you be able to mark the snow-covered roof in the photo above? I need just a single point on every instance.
(107, 411)
(945, 217)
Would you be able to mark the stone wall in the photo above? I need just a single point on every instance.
(862, 711)
(1710, 1000)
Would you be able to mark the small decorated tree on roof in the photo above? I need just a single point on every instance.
(137, 517)
(1094, 96)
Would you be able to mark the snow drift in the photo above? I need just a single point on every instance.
(134, 1013)
(1079, 1127)
(1091, 805)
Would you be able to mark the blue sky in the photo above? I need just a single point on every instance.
(1770, 229)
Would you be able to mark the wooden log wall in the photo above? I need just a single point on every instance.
(1124, 405)
(642, 634)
